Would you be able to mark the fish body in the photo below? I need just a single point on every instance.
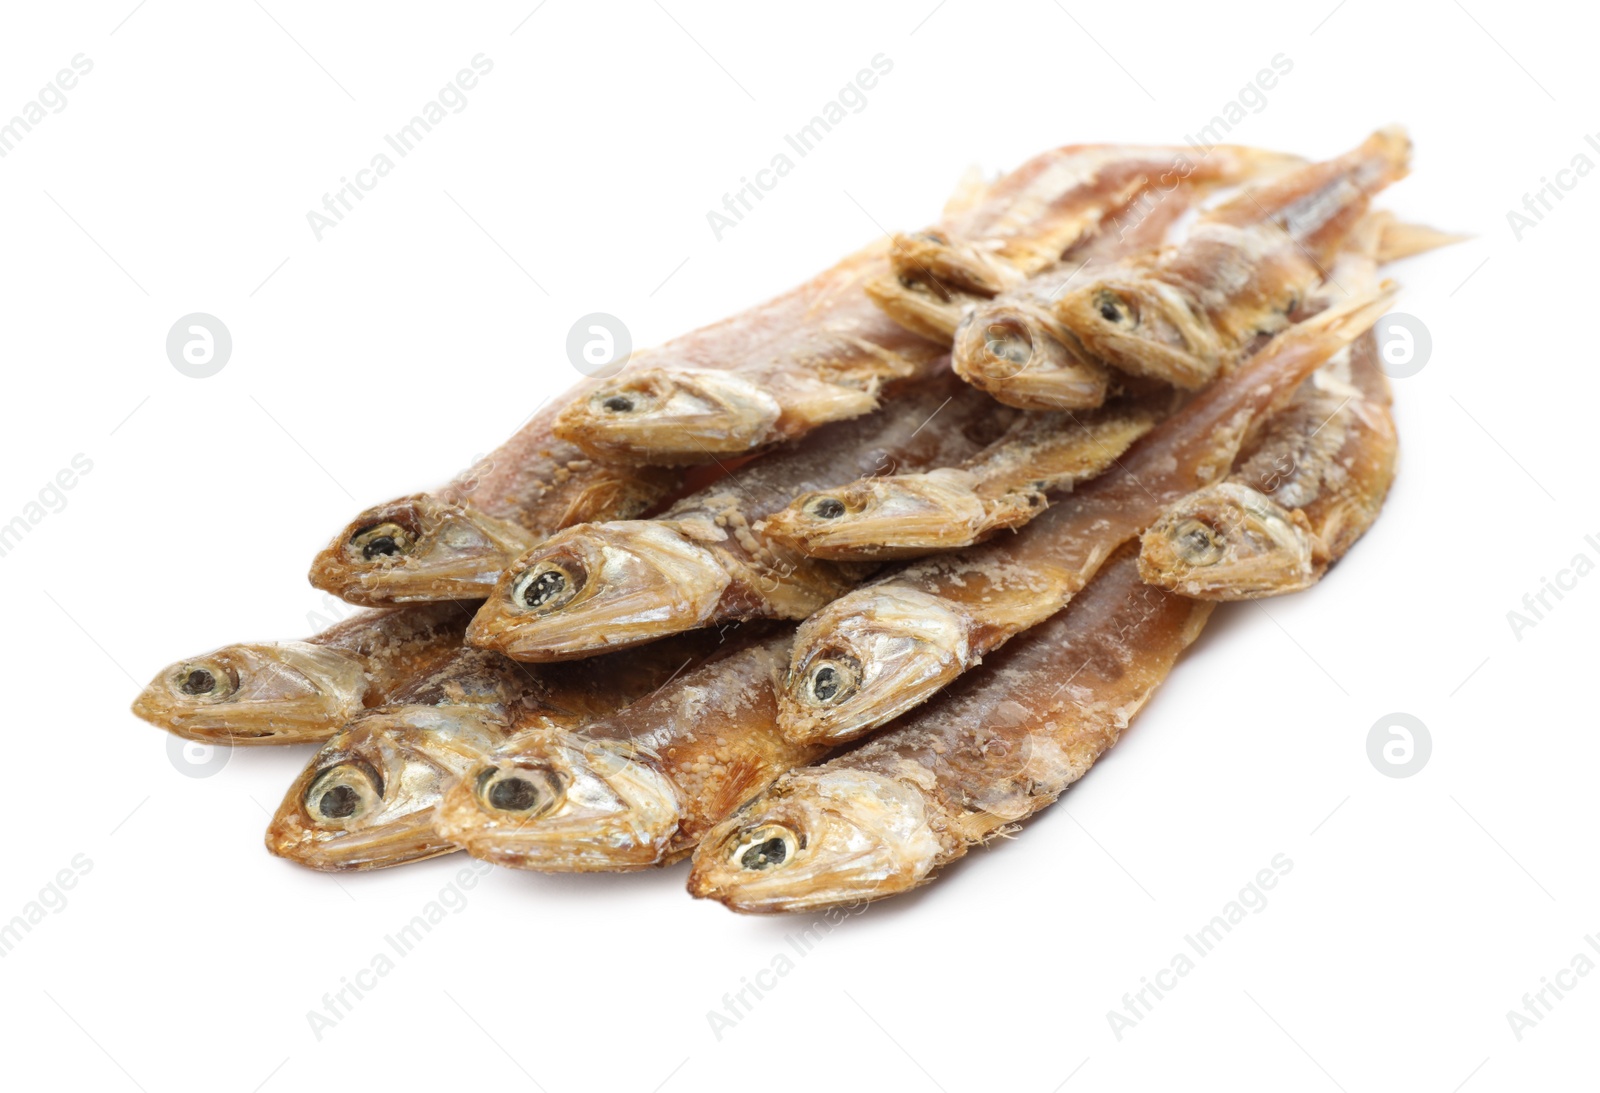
(638, 788)
(451, 544)
(888, 646)
(1013, 347)
(1244, 270)
(708, 559)
(367, 799)
(824, 352)
(1001, 487)
(1000, 745)
(1313, 484)
(819, 353)
(302, 691)
(1032, 216)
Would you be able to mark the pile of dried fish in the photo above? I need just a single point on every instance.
(1153, 368)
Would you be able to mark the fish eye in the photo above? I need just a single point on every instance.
(764, 848)
(205, 680)
(1113, 308)
(526, 790)
(832, 679)
(382, 541)
(343, 793)
(826, 508)
(618, 404)
(1197, 543)
(545, 587)
(1009, 342)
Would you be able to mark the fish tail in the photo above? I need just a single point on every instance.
(1399, 240)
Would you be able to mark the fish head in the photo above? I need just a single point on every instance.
(819, 837)
(1228, 542)
(599, 586)
(559, 801)
(418, 548)
(367, 800)
(670, 416)
(896, 516)
(1142, 325)
(272, 693)
(868, 657)
(1024, 360)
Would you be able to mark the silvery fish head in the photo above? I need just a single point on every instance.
(1021, 359)
(415, 549)
(670, 416)
(1139, 324)
(556, 800)
(866, 658)
(897, 516)
(599, 586)
(367, 799)
(817, 838)
(1229, 542)
(273, 693)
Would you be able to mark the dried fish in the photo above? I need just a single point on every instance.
(611, 585)
(1035, 214)
(1311, 487)
(640, 787)
(884, 648)
(367, 799)
(1002, 744)
(824, 352)
(1004, 486)
(452, 543)
(293, 692)
(1243, 271)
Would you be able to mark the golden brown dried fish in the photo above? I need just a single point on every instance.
(1003, 486)
(884, 648)
(638, 788)
(605, 586)
(1310, 488)
(1244, 270)
(452, 543)
(999, 746)
(1312, 483)
(292, 692)
(367, 799)
(1046, 206)
(824, 352)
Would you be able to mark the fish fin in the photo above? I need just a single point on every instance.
(1399, 240)
(746, 776)
(969, 191)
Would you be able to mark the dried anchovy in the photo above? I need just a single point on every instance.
(640, 787)
(999, 746)
(705, 561)
(292, 692)
(888, 646)
(1190, 312)
(452, 543)
(367, 798)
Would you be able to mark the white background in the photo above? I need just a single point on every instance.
(418, 334)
